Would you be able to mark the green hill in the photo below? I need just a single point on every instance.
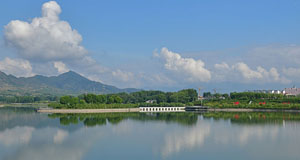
(66, 83)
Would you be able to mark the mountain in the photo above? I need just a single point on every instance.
(66, 83)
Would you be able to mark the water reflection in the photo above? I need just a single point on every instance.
(185, 139)
(57, 145)
(254, 117)
(16, 135)
(25, 134)
(91, 120)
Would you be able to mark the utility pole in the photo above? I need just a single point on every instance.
(215, 90)
(199, 96)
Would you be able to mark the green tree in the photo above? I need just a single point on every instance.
(101, 99)
(110, 100)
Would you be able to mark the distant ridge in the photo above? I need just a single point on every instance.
(66, 83)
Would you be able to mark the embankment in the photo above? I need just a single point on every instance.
(87, 110)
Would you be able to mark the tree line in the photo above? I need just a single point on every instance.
(158, 97)
(27, 99)
(249, 96)
(253, 95)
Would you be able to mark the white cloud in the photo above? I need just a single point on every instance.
(17, 67)
(194, 69)
(260, 73)
(45, 38)
(224, 72)
(61, 67)
(51, 43)
(123, 76)
(222, 66)
(247, 72)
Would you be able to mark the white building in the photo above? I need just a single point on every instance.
(291, 91)
(276, 92)
(162, 109)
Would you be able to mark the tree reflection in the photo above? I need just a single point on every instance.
(91, 120)
(254, 117)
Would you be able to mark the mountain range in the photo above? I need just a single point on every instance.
(66, 83)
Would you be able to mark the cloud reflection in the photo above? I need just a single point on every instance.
(15, 136)
(216, 133)
(60, 136)
(188, 139)
(256, 132)
(48, 144)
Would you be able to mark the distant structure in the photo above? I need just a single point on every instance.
(199, 94)
(151, 101)
(276, 92)
(287, 91)
(200, 98)
(267, 91)
(291, 91)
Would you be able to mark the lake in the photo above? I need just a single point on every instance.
(28, 135)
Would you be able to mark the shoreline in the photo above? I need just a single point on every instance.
(117, 110)
(248, 110)
(120, 110)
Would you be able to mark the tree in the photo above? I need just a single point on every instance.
(101, 99)
(69, 100)
(207, 94)
(90, 98)
(161, 98)
(110, 100)
(225, 95)
(118, 99)
(65, 100)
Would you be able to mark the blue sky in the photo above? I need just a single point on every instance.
(125, 41)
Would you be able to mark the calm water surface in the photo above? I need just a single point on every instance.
(27, 135)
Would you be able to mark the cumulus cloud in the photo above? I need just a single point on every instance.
(260, 73)
(61, 67)
(242, 70)
(247, 72)
(193, 69)
(46, 37)
(51, 43)
(17, 67)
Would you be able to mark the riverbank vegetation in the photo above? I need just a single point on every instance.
(187, 97)
(253, 117)
(252, 100)
(8, 99)
(125, 100)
